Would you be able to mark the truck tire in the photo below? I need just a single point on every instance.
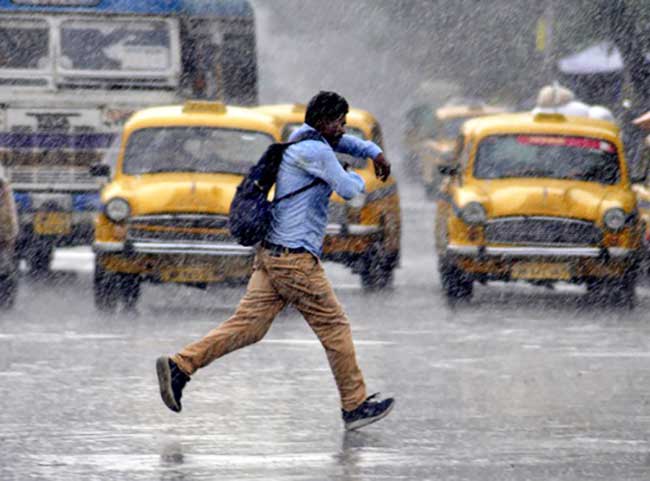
(8, 290)
(39, 257)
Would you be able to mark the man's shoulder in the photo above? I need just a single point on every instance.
(310, 147)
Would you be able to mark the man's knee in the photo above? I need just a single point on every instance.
(253, 327)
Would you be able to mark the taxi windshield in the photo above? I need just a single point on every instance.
(549, 156)
(193, 149)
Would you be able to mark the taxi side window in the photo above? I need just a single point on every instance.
(111, 155)
(420, 123)
(460, 155)
(464, 156)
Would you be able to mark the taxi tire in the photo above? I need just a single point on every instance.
(623, 291)
(129, 285)
(105, 289)
(614, 292)
(456, 284)
(39, 257)
(376, 273)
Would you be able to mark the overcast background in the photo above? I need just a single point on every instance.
(352, 47)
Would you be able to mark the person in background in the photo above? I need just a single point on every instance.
(287, 268)
(557, 99)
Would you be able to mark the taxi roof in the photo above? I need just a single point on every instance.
(457, 111)
(294, 113)
(200, 113)
(527, 122)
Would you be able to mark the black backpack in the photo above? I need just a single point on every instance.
(250, 211)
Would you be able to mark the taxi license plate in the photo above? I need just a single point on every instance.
(52, 223)
(540, 270)
(186, 274)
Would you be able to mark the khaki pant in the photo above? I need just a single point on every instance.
(277, 280)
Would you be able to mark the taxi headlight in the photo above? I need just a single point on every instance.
(117, 209)
(614, 219)
(358, 201)
(473, 214)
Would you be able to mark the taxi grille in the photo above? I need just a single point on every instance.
(542, 231)
(199, 221)
(141, 235)
(179, 227)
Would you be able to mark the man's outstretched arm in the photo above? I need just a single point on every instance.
(356, 147)
(326, 166)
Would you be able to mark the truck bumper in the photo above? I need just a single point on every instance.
(81, 230)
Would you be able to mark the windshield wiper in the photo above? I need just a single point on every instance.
(533, 173)
(170, 169)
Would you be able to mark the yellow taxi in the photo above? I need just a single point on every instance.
(540, 198)
(8, 235)
(365, 232)
(165, 212)
(431, 139)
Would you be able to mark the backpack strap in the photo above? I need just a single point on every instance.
(309, 135)
(314, 183)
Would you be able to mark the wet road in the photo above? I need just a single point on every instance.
(521, 383)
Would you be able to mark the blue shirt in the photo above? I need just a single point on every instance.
(301, 220)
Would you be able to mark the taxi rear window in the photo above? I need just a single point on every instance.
(549, 156)
(193, 149)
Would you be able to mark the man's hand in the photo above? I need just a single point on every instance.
(382, 167)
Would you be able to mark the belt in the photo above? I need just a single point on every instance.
(279, 249)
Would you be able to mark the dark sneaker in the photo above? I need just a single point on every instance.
(370, 411)
(171, 381)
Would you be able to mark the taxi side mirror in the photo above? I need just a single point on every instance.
(100, 170)
(448, 157)
(638, 179)
(449, 170)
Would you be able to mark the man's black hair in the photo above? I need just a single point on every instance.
(325, 106)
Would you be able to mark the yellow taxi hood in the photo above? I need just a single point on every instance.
(174, 192)
(547, 197)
